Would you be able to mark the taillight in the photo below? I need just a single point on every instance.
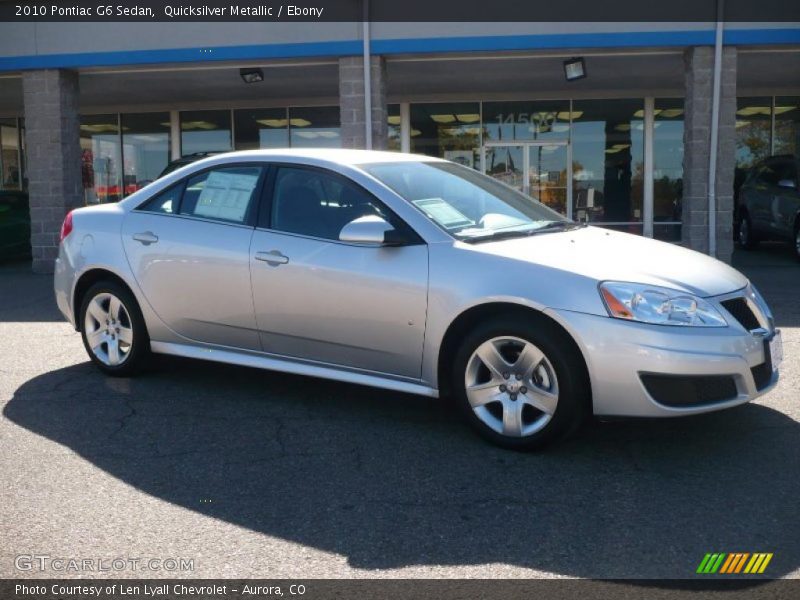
(66, 226)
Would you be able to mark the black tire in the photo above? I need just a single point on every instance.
(138, 350)
(746, 237)
(574, 388)
(796, 239)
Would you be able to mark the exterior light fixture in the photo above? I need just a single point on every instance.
(251, 75)
(574, 68)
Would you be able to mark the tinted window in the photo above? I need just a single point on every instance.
(224, 194)
(166, 202)
(318, 204)
(767, 175)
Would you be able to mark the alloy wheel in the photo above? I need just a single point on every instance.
(108, 328)
(744, 233)
(511, 386)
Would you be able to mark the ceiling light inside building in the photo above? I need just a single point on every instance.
(574, 68)
(278, 123)
(567, 115)
(443, 119)
(469, 118)
(394, 120)
(189, 125)
(299, 122)
(251, 75)
(749, 111)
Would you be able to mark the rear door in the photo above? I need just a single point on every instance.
(189, 249)
(320, 299)
(787, 201)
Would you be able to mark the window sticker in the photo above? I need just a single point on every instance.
(443, 213)
(226, 195)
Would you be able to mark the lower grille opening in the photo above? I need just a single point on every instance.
(689, 390)
(762, 375)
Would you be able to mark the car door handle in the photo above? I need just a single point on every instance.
(146, 237)
(273, 258)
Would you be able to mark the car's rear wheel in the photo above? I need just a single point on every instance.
(113, 329)
(747, 239)
(520, 382)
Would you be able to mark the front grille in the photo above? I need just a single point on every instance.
(689, 390)
(741, 311)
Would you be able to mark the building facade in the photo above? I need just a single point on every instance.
(91, 112)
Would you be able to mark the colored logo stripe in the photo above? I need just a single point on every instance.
(732, 563)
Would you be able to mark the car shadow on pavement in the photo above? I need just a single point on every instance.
(391, 480)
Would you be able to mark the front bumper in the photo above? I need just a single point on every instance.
(619, 352)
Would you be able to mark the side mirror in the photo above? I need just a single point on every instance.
(787, 183)
(368, 230)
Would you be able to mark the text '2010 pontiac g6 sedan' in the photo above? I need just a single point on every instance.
(413, 274)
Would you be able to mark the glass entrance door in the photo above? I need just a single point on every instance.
(540, 169)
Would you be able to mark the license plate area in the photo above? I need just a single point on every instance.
(773, 348)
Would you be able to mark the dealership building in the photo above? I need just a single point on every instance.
(652, 139)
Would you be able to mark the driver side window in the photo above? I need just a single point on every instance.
(317, 204)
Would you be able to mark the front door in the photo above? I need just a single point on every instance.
(320, 299)
(540, 169)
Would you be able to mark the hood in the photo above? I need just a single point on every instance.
(606, 255)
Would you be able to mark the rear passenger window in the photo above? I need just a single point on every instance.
(166, 202)
(224, 194)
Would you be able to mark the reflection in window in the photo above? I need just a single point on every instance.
(10, 172)
(608, 162)
(393, 138)
(261, 128)
(315, 127)
(145, 148)
(753, 130)
(101, 156)
(667, 169)
(787, 125)
(205, 131)
(447, 130)
(540, 120)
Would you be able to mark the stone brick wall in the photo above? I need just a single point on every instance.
(351, 102)
(699, 63)
(52, 141)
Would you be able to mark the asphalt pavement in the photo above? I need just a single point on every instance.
(256, 474)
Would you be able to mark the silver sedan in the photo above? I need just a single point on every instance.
(413, 274)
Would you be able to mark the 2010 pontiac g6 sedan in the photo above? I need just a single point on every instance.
(414, 274)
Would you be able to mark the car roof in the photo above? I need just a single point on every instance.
(335, 155)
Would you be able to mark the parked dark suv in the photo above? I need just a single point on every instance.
(769, 203)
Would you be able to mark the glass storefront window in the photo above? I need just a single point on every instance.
(753, 135)
(393, 137)
(145, 148)
(449, 130)
(787, 125)
(101, 155)
(539, 120)
(10, 171)
(205, 131)
(261, 128)
(667, 169)
(315, 127)
(608, 162)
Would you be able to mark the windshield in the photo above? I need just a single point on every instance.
(466, 204)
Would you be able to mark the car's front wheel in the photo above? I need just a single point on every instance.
(113, 329)
(520, 382)
(747, 239)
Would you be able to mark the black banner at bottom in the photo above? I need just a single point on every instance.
(391, 589)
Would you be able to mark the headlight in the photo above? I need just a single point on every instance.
(658, 305)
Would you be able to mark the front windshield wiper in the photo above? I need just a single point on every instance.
(550, 227)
